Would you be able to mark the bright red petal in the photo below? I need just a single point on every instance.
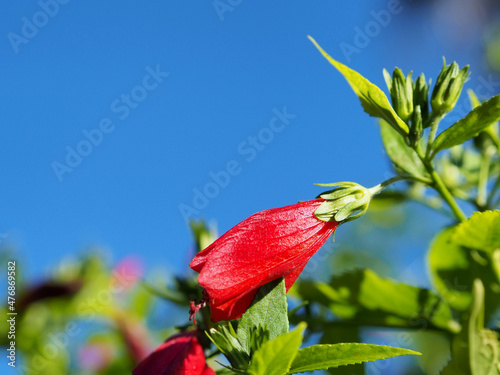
(180, 354)
(268, 245)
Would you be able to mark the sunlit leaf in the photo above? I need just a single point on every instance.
(464, 129)
(367, 299)
(276, 356)
(319, 357)
(269, 310)
(453, 269)
(402, 156)
(373, 99)
(481, 232)
(475, 351)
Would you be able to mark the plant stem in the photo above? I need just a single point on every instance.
(482, 186)
(490, 202)
(434, 124)
(445, 194)
(440, 187)
(378, 188)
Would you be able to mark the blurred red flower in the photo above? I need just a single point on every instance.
(180, 354)
(270, 244)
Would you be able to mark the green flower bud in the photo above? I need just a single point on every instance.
(416, 128)
(225, 340)
(448, 87)
(346, 202)
(421, 97)
(401, 90)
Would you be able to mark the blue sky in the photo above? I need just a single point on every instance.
(115, 118)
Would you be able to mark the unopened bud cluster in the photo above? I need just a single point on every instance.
(448, 87)
(410, 100)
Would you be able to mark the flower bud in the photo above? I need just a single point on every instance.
(448, 87)
(401, 90)
(416, 128)
(346, 202)
(225, 340)
(421, 97)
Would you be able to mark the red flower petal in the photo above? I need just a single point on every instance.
(268, 245)
(180, 354)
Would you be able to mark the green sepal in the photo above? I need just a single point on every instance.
(346, 202)
(224, 338)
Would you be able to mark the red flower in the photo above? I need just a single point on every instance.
(180, 354)
(270, 244)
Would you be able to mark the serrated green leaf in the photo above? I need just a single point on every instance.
(340, 333)
(322, 357)
(276, 356)
(481, 231)
(475, 351)
(269, 310)
(403, 156)
(372, 98)
(464, 129)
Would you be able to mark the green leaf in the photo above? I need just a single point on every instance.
(276, 356)
(449, 269)
(365, 298)
(336, 333)
(453, 269)
(475, 351)
(373, 99)
(403, 156)
(166, 293)
(269, 310)
(322, 357)
(480, 232)
(464, 129)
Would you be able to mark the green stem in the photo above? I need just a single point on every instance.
(494, 138)
(482, 187)
(378, 188)
(490, 202)
(441, 188)
(434, 124)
